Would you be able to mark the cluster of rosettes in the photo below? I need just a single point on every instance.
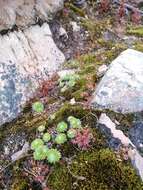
(64, 131)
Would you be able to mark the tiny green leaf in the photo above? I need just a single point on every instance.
(36, 143)
(71, 133)
(74, 122)
(46, 137)
(40, 152)
(62, 127)
(38, 107)
(53, 156)
(61, 138)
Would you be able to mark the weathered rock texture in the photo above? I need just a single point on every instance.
(121, 88)
(115, 134)
(26, 12)
(25, 58)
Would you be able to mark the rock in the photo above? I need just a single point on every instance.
(136, 135)
(21, 153)
(101, 70)
(23, 13)
(75, 27)
(26, 58)
(62, 32)
(79, 3)
(62, 73)
(121, 87)
(134, 155)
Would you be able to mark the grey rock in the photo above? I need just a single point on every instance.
(121, 87)
(20, 153)
(26, 58)
(101, 70)
(136, 135)
(23, 13)
(118, 137)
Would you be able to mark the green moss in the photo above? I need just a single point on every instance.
(67, 110)
(95, 27)
(87, 69)
(27, 123)
(111, 54)
(138, 31)
(138, 46)
(75, 9)
(87, 58)
(96, 170)
(78, 94)
(19, 184)
(58, 179)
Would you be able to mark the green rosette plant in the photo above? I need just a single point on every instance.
(38, 107)
(46, 137)
(40, 152)
(71, 133)
(74, 122)
(62, 127)
(36, 143)
(61, 138)
(53, 156)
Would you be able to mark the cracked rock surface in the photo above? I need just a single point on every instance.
(121, 87)
(25, 59)
(23, 13)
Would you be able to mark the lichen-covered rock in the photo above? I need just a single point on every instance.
(26, 58)
(121, 87)
(25, 12)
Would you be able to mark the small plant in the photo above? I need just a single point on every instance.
(74, 122)
(71, 133)
(36, 143)
(136, 17)
(62, 127)
(38, 107)
(104, 6)
(41, 128)
(61, 138)
(40, 152)
(47, 86)
(53, 156)
(83, 138)
(121, 10)
(68, 81)
(46, 137)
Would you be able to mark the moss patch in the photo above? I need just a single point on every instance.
(137, 31)
(19, 184)
(138, 46)
(99, 171)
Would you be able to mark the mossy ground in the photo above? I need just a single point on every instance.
(95, 170)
